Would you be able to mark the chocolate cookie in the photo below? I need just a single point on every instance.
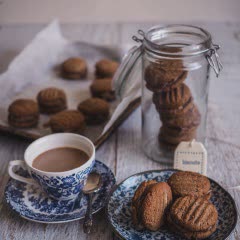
(174, 136)
(164, 75)
(173, 102)
(105, 68)
(157, 200)
(102, 88)
(136, 202)
(166, 146)
(67, 121)
(194, 214)
(189, 120)
(174, 227)
(23, 113)
(74, 68)
(51, 100)
(189, 183)
(150, 204)
(95, 110)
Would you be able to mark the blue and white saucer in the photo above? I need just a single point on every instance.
(32, 203)
(119, 209)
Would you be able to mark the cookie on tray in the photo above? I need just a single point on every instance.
(95, 110)
(102, 88)
(193, 217)
(189, 183)
(150, 204)
(106, 68)
(74, 68)
(23, 113)
(67, 121)
(51, 100)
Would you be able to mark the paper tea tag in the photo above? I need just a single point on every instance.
(191, 156)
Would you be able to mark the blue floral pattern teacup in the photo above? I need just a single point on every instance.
(59, 185)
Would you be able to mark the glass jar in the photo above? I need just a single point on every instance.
(174, 63)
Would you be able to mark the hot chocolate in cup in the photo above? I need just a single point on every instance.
(64, 177)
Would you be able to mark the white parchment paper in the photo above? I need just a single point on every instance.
(37, 67)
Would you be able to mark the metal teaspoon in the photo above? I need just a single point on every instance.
(93, 184)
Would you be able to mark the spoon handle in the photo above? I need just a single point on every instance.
(87, 224)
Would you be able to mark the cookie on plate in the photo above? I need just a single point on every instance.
(106, 68)
(95, 110)
(136, 202)
(193, 217)
(67, 121)
(23, 113)
(74, 68)
(102, 88)
(51, 100)
(184, 183)
(150, 204)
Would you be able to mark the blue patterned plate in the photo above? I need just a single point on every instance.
(119, 209)
(32, 203)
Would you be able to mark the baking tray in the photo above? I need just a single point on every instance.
(38, 67)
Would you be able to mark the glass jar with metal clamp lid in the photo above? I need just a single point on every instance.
(170, 71)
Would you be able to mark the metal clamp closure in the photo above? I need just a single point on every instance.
(214, 59)
(137, 39)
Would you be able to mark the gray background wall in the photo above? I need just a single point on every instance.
(41, 11)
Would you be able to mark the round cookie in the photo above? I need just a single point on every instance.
(189, 234)
(67, 121)
(174, 102)
(166, 146)
(162, 76)
(189, 120)
(102, 88)
(154, 205)
(51, 100)
(173, 137)
(95, 110)
(23, 113)
(172, 99)
(106, 68)
(189, 183)
(136, 202)
(194, 214)
(74, 68)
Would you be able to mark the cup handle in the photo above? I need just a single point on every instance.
(17, 177)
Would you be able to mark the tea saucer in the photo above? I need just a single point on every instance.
(119, 209)
(32, 203)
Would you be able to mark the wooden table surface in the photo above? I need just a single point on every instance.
(122, 151)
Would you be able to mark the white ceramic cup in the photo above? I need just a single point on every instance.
(59, 185)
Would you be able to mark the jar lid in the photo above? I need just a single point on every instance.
(164, 41)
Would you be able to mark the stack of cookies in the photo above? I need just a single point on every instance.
(173, 101)
(182, 204)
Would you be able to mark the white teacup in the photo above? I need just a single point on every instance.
(59, 185)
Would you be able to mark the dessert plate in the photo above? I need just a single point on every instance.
(32, 203)
(119, 209)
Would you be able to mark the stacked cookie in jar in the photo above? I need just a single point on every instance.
(173, 101)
